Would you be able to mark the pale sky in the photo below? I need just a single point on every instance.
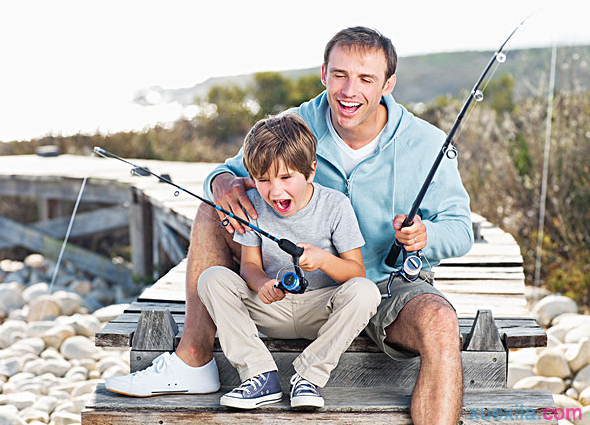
(69, 66)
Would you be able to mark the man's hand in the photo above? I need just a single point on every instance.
(229, 192)
(269, 294)
(413, 237)
(312, 258)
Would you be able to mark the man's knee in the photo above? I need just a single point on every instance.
(427, 322)
(439, 324)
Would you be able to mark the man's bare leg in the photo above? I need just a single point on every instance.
(428, 325)
(210, 245)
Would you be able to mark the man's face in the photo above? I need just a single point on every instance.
(355, 82)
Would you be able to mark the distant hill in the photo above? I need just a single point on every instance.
(425, 77)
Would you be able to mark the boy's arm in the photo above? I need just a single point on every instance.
(341, 268)
(252, 272)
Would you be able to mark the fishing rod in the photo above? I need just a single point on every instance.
(448, 150)
(291, 282)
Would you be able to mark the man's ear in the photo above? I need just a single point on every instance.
(324, 75)
(389, 85)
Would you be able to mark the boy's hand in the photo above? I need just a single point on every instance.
(313, 257)
(229, 192)
(269, 294)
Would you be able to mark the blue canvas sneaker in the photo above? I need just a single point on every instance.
(304, 393)
(254, 392)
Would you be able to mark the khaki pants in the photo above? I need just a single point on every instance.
(332, 317)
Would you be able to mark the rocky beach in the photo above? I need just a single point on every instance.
(49, 365)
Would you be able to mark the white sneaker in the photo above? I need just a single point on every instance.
(168, 374)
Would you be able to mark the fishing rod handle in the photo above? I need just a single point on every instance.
(290, 248)
(396, 248)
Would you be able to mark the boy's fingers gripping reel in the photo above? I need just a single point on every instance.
(292, 282)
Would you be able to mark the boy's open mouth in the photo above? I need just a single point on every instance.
(282, 205)
(349, 108)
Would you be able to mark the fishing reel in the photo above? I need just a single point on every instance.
(410, 271)
(293, 282)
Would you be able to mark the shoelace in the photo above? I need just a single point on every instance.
(157, 365)
(252, 382)
(300, 384)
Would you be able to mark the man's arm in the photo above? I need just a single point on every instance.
(226, 186)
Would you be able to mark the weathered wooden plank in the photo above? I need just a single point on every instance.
(172, 219)
(488, 273)
(138, 307)
(120, 334)
(374, 370)
(50, 247)
(170, 242)
(86, 223)
(467, 322)
(63, 188)
(476, 286)
(343, 406)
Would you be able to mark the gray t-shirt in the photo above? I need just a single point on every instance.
(327, 221)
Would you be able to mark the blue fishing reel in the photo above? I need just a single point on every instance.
(411, 268)
(293, 282)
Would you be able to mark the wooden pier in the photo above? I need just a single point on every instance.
(489, 280)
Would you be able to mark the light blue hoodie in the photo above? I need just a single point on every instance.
(387, 183)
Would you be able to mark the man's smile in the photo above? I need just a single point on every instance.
(349, 107)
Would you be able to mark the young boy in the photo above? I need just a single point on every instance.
(279, 154)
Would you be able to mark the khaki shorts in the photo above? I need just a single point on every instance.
(402, 292)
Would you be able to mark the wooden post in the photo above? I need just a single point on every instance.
(484, 335)
(141, 237)
(155, 334)
(49, 208)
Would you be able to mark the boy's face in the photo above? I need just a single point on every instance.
(355, 82)
(284, 189)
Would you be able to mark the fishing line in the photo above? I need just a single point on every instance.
(64, 243)
(542, 201)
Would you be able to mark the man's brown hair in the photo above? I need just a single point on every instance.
(365, 39)
(285, 138)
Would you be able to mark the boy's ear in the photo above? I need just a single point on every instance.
(314, 166)
(324, 75)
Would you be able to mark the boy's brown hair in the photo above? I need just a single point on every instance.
(285, 138)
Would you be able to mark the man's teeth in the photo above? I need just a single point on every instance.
(349, 104)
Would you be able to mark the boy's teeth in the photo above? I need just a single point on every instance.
(283, 204)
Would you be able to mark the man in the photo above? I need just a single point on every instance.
(378, 154)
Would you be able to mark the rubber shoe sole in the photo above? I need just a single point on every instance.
(310, 401)
(125, 390)
(193, 392)
(250, 403)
